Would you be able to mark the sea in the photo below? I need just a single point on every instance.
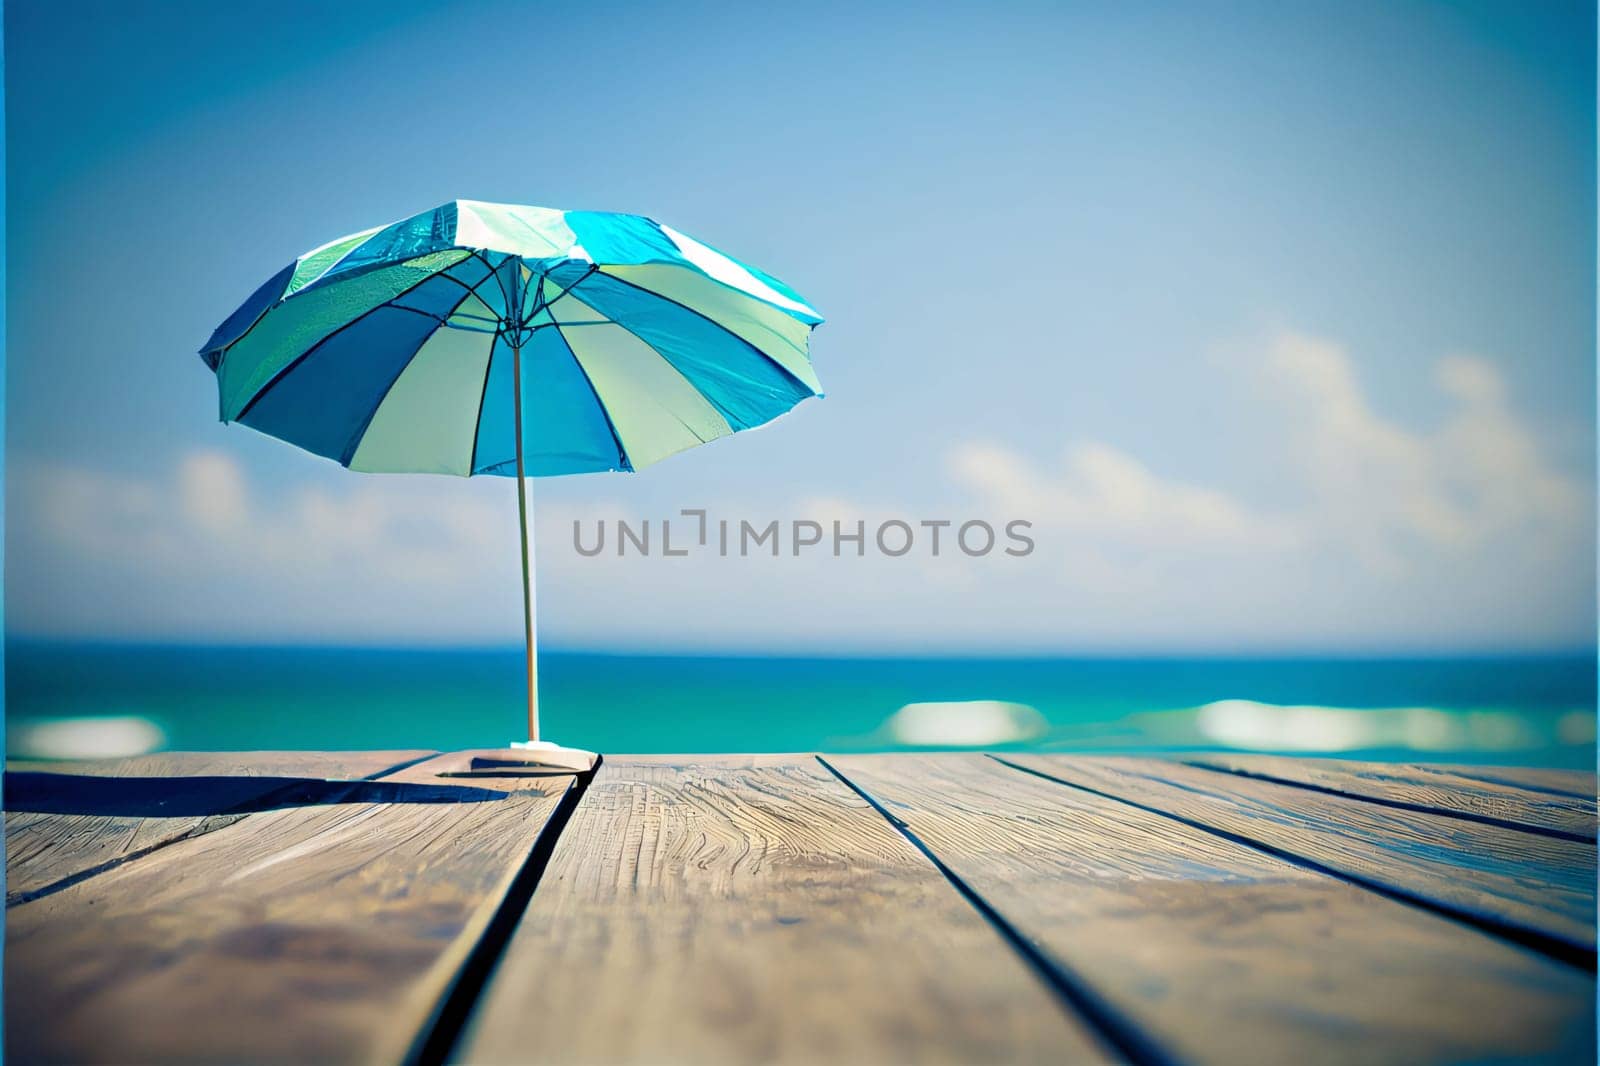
(74, 700)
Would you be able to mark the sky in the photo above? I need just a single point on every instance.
(1276, 322)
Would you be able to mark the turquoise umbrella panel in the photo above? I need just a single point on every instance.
(387, 350)
(748, 384)
(565, 427)
(324, 400)
(287, 332)
(427, 421)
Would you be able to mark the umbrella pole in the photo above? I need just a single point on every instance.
(527, 548)
(531, 753)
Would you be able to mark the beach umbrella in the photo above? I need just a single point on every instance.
(481, 338)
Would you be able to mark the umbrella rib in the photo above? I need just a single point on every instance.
(471, 290)
(323, 281)
(354, 444)
(605, 412)
(470, 322)
(222, 350)
(483, 394)
(560, 326)
(445, 320)
(727, 416)
(426, 314)
(472, 253)
(303, 356)
(700, 314)
(593, 268)
(616, 440)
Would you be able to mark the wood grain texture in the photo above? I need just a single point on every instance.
(1533, 885)
(713, 909)
(324, 933)
(1559, 782)
(46, 848)
(1219, 952)
(1438, 789)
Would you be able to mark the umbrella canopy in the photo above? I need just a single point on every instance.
(483, 338)
(391, 350)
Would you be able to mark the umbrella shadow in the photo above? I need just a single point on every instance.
(171, 797)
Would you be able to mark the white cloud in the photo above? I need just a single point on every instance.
(1391, 494)
(1460, 534)
(212, 493)
(1464, 533)
(1104, 493)
(202, 550)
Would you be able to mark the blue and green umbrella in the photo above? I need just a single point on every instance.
(482, 338)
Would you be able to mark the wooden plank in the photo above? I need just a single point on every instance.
(65, 820)
(1534, 888)
(1219, 952)
(1578, 783)
(713, 909)
(323, 933)
(1437, 789)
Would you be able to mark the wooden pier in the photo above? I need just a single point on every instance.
(400, 906)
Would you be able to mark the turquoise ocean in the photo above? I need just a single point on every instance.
(64, 700)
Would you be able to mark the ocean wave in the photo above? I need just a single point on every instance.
(965, 724)
(1237, 724)
(84, 738)
(1309, 727)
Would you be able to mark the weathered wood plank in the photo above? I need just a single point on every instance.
(1218, 951)
(1576, 783)
(1536, 888)
(325, 933)
(58, 830)
(713, 909)
(1437, 789)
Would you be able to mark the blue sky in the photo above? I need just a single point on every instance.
(1276, 319)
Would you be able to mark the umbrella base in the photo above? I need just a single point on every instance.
(532, 756)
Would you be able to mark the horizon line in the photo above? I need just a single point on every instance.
(1104, 653)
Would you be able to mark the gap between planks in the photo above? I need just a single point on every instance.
(714, 909)
(363, 922)
(474, 962)
(1448, 794)
(1077, 996)
(1551, 933)
(1222, 950)
(165, 831)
